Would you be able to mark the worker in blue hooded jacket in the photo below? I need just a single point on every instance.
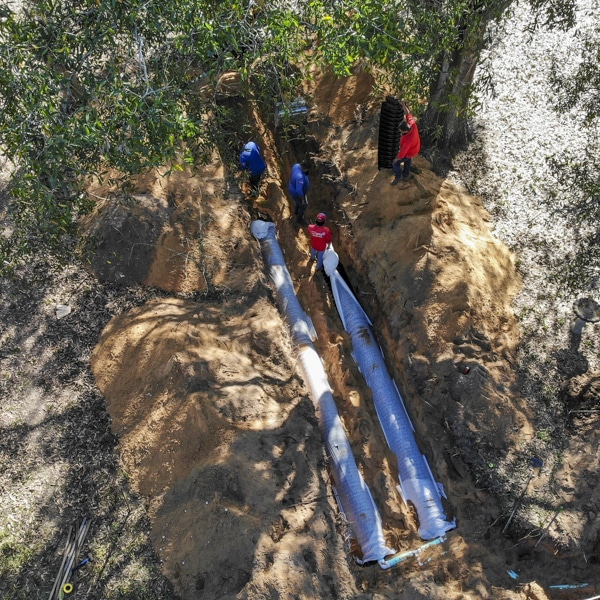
(251, 160)
(298, 188)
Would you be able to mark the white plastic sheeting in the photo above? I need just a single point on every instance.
(354, 497)
(417, 484)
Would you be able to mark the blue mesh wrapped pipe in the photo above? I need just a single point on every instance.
(300, 324)
(354, 497)
(417, 484)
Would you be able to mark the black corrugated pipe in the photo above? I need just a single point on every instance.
(390, 118)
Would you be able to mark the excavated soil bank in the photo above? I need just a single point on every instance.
(216, 429)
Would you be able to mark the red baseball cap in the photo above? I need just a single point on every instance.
(321, 217)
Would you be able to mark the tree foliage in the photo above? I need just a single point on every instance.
(118, 86)
(91, 88)
(579, 179)
(82, 93)
(427, 51)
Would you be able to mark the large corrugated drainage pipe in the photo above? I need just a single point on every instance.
(354, 497)
(417, 484)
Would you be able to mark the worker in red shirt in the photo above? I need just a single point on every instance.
(320, 239)
(410, 145)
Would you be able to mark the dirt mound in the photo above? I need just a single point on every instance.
(177, 233)
(217, 434)
(215, 426)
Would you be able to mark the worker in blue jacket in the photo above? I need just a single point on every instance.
(298, 188)
(251, 160)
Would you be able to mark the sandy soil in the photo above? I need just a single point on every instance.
(215, 426)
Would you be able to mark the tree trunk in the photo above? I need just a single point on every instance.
(444, 125)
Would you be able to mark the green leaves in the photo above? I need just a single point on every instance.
(356, 31)
(579, 176)
(113, 85)
(129, 85)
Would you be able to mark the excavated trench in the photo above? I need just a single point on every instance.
(352, 396)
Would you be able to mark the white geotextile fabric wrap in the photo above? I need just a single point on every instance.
(352, 492)
(417, 484)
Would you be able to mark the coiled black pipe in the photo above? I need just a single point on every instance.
(390, 118)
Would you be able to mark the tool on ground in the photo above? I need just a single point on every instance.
(536, 463)
(548, 526)
(84, 562)
(75, 540)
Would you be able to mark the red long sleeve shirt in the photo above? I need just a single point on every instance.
(410, 143)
